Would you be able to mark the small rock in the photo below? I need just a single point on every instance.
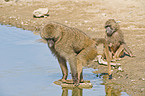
(118, 21)
(114, 78)
(142, 89)
(89, 28)
(22, 23)
(132, 80)
(66, 21)
(103, 14)
(120, 69)
(1, 6)
(130, 12)
(41, 12)
(86, 21)
(142, 79)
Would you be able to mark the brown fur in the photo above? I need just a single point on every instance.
(115, 40)
(72, 45)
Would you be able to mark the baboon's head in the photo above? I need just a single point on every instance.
(111, 26)
(50, 33)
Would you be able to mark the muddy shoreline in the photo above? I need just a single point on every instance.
(90, 18)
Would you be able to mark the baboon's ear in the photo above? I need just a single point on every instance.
(116, 26)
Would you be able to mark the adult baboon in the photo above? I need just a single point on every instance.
(72, 45)
(115, 40)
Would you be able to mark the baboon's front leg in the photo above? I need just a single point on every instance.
(64, 69)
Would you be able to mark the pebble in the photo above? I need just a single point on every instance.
(120, 69)
(142, 89)
(132, 80)
(104, 14)
(86, 21)
(118, 21)
(130, 12)
(143, 79)
(22, 23)
(89, 28)
(41, 12)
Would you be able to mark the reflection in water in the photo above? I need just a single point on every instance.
(109, 90)
(75, 91)
(27, 68)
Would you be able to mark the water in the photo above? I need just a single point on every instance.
(27, 68)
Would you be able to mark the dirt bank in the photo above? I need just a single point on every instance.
(90, 17)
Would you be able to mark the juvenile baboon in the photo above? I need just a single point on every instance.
(115, 40)
(72, 45)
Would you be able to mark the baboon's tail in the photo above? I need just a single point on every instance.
(100, 41)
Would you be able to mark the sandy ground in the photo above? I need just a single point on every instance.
(90, 16)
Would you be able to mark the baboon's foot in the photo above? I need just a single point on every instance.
(70, 81)
(76, 84)
(82, 81)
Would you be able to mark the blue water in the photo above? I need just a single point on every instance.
(27, 68)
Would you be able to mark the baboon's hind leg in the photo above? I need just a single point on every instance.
(82, 58)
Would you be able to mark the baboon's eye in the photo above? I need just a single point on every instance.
(49, 39)
(108, 26)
